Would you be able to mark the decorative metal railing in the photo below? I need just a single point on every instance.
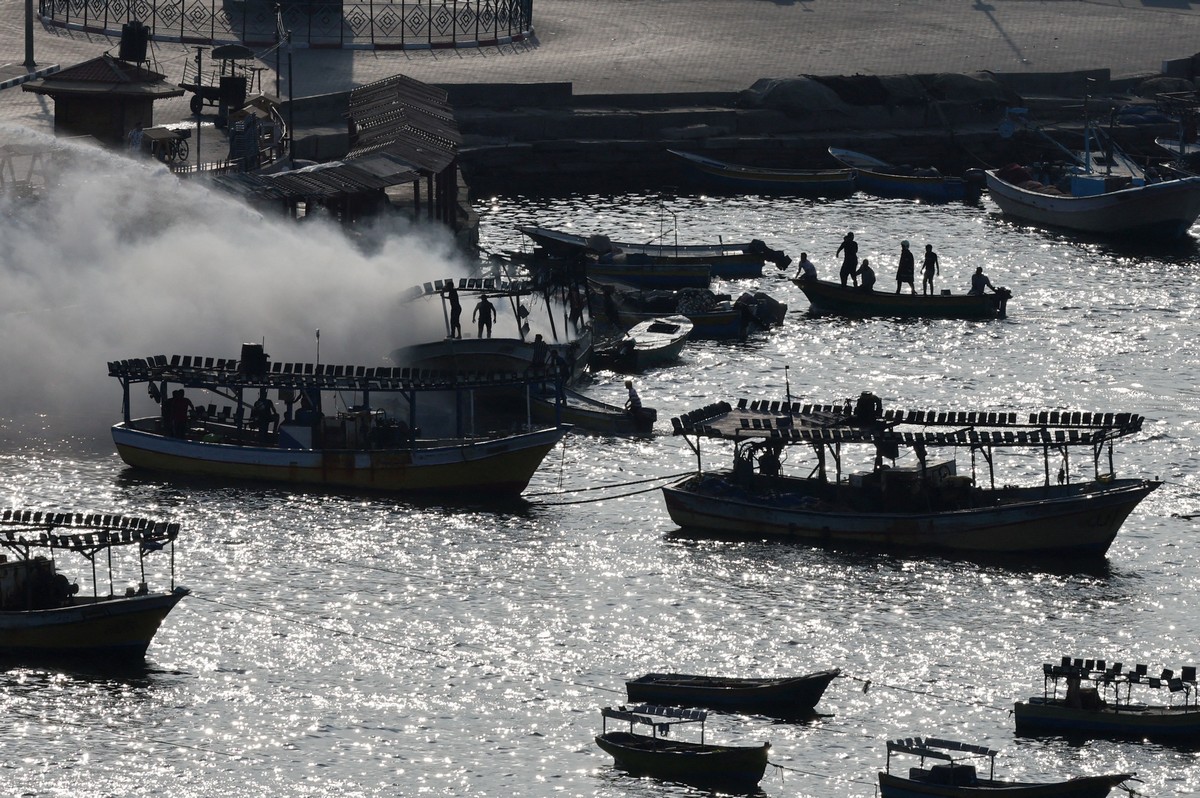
(381, 24)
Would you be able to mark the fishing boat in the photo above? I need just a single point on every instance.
(1098, 190)
(762, 180)
(713, 315)
(958, 779)
(883, 179)
(648, 276)
(647, 344)
(781, 697)
(924, 505)
(1097, 701)
(547, 405)
(829, 297)
(734, 767)
(730, 261)
(43, 614)
(385, 440)
(512, 349)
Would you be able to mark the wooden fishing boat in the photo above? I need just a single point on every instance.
(647, 344)
(649, 276)
(44, 615)
(713, 316)
(390, 441)
(701, 764)
(924, 507)
(783, 697)
(830, 297)
(547, 406)
(887, 180)
(511, 350)
(957, 779)
(729, 261)
(1092, 704)
(757, 179)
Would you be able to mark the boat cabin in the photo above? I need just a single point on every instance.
(1095, 683)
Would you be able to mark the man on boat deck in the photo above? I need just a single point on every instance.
(850, 257)
(979, 281)
(807, 270)
(866, 275)
(906, 270)
(455, 311)
(929, 269)
(485, 314)
(179, 413)
(264, 413)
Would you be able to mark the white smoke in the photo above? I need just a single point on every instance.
(117, 258)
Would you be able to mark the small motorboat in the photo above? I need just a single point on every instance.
(780, 697)
(758, 179)
(957, 779)
(713, 316)
(44, 615)
(883, 179)
(650, 343)
(1097, 702)
(731, 767)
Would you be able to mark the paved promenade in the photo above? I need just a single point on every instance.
(644, 46)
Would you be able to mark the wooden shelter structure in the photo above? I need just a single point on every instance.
(104, 98)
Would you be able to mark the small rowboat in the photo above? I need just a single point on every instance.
(647, 344)
(731, 767)
(955, 779)
(887, 180)
(784, 697)
(588, 414)
(829, 297)
(792, 182)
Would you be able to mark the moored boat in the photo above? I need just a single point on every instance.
(713, 316)
(647, 344)
(700, 764)
(44, 615)
(386, 441)
(758, 179)
(582, 412)
(883, 179)
(924, 507)
(783, 696)
(829, 297)
(958, 779)
(1092, 704)
(731, 261)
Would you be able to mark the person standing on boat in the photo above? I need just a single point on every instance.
(980, 281)
(929, 269)
(263, 413)
(179, 413)
(807, 270)
(865, 276)
(849, 252)
(906, 271)
(485, 314)
(537, 360)
(633, 405)
(455, 311)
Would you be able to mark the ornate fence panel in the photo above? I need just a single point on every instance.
(382, 24)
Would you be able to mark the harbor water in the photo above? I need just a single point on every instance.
(361, 645)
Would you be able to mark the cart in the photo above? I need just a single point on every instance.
(166, 144)
(223, 82)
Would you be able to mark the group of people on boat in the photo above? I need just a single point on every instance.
(861, 275)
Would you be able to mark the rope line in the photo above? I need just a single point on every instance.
(819, 775)
(607, 486)
(601, 498)
(867, 683)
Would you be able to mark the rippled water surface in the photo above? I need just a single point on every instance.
(346, 644)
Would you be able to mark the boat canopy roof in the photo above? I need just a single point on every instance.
(653, 715)
(230, 373)
(22, 530)
(934, 748)
(1115, 673)
(812, 423)
(480, 285)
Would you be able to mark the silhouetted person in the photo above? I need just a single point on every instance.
(866, 276)
(179, 413)
(905, 271)
(980, 281)
(485, 314)
(264, 414)
(929, 269)
(807, 270)
(849, 252)
(455, 311)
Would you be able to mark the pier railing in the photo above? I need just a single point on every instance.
(357, 24)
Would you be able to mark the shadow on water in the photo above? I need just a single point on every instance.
(117, 676)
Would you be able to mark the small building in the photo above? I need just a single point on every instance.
(104, 98)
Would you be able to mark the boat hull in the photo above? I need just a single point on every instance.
(1167, 209)
(785, 182)
(651, 276)
(892, 786)
(591, 415)
(1066, 519)
(828, 297)
(486, 468)
(872, 176)
(1042, 716)
(654, 343)
(108, 630)
(731, 767)
(782, 697)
